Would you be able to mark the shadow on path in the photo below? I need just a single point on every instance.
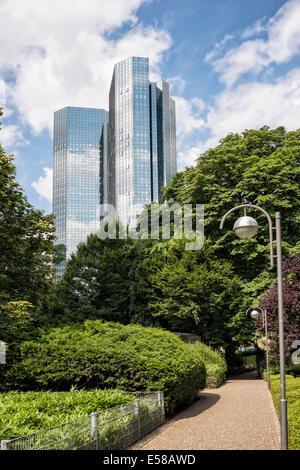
(241, 404)
(206, 400)
(251, 375)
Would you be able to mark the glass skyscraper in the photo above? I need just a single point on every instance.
(78, 186)
(122, 158)
(142, 155)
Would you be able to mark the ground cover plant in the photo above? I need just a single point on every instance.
(27, 412)
(293, 406)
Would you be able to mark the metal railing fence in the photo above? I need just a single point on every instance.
(112, 429)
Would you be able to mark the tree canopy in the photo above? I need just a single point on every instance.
(260, 167)
(159, 282)
(26, 243)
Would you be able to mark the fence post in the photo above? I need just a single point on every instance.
(161, 404)
(137, 415)
(94, 428)
(5, 445)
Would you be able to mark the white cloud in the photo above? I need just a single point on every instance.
(177, 84)
(249, 106)
(188, 116)
(43, 185)
(282, 43)
(12, 136)
(257, 28)
(256, 104)
(218, 48)
(65, 54)
(252, 104)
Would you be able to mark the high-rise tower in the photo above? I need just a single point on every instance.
(142, 155)
(79, 133)
(122, 158)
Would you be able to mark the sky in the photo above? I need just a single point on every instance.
(231, 65)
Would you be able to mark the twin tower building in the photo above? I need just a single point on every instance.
(122, 157)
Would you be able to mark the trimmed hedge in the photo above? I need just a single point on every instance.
(99, 354)
(215, 364)
(27, 412)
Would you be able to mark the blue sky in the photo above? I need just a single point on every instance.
(231, 64)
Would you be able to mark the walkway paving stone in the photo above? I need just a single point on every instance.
(238, 415)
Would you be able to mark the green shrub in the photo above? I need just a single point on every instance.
(99, 354)
(293, 406)
(28, 412)
(214, 362)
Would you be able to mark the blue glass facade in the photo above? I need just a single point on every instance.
(142, 138)
(122, 158)
(166, 125)
(78, 133)
(130, 138)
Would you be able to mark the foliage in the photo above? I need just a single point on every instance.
(293, 406)
(215, 364)
(15, 319)
(25, 413)
(260, 167)
(154, 282)
(190, 291)
(149, 283)
(109, 355)
(291, 302)
(26, 243)
(95, 284)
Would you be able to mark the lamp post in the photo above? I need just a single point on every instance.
(246, 227)
(255, 312)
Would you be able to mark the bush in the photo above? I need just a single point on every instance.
(215, 364)
(293, 406)
(99, 354)
(25, 413)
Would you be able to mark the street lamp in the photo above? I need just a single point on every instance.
(255, 313)
(246, 227)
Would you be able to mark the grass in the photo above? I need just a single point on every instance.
(27, 412)
(293, 406)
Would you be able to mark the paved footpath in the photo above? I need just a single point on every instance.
(238, 415)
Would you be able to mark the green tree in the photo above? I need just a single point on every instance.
(206, 291)
(15, 320)
(26, 242)
(260, 167)
(191, 291)
(95, 284)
